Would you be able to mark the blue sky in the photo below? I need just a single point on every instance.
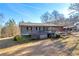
(31, 12)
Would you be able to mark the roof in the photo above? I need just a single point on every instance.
(37, 24)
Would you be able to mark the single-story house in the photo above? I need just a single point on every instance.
(39, 30)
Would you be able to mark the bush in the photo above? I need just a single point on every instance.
(18, 38)
(22, 38)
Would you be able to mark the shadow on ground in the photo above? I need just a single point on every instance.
(10, 42)
(40, 47)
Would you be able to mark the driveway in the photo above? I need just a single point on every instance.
(47, 47)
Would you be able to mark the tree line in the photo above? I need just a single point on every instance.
(58, 18)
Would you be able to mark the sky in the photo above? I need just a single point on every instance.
(30, 12)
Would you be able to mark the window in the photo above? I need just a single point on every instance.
(36, 28)
(44, 28)
(27, 28)
(30, 28)
(39, 28)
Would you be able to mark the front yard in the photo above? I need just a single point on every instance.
(61, 47)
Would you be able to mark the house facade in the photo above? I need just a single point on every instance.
(37, 29)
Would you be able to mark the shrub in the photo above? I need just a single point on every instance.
(18, 38)
(22, 38)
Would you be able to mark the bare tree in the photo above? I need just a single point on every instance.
(10, 29)
(45, 17)
(74, 6)
(55, 17)
(74, 16)
(1, 21)
(55, 14)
